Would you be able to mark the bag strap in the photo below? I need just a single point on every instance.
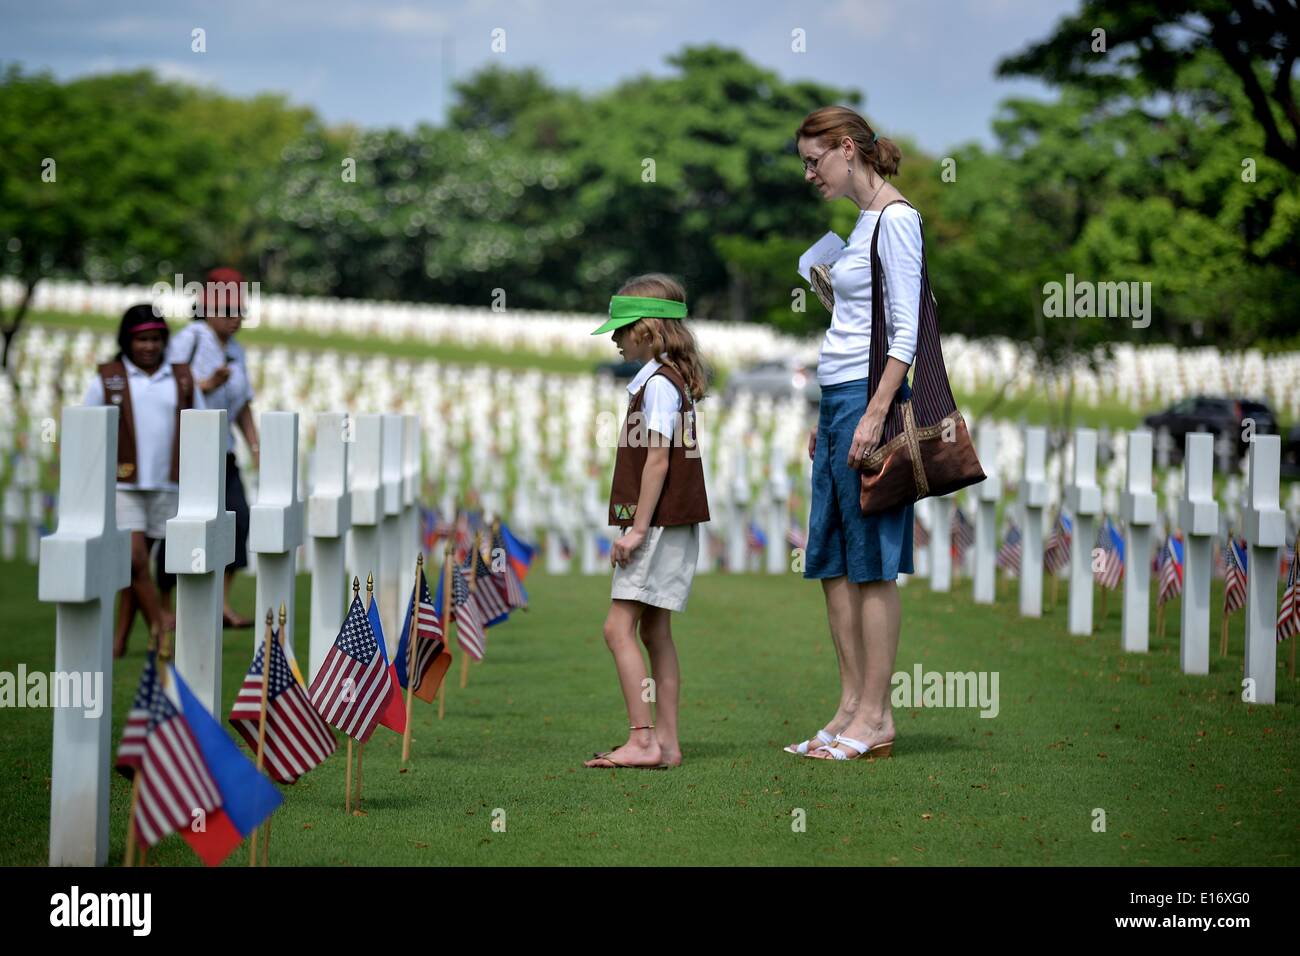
(932, 399)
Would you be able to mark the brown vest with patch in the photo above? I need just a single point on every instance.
(116, 392)
(683, 499)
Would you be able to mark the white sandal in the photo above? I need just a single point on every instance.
(802, 748)
(883, 749)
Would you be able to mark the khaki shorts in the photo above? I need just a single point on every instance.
(146, 511)
(660, 572)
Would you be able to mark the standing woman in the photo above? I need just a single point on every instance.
(858, 558)
(220, 370)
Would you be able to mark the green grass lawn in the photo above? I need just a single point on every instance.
(1186, 773)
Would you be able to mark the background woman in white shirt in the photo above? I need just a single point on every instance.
(858, 558)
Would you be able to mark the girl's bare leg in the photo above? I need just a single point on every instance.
(642, 748)
(657, 635)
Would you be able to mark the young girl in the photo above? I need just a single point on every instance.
(658, 499)
(150, 395)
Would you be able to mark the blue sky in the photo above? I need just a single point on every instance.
(926, 66)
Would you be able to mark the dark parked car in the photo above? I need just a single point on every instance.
(1219, 416)
(619, 371)
(778, 378)
(1291, 453)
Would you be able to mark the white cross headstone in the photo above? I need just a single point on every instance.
(704, 559)
(941, 543)
(275, 522)
(595, 514)
(556, 562)
(82, 565)
(1199, 518)
(1164, 448)
(1138, 509)
(27, 481)
(778, 516)
(200, 544)
(391, 569)
(367, 493)
(1264, 524)
(920, 553)
(15, 516)
(411, 481)
(1225, 449)
(329, 515)
(737, 516)
(1033, 499)
(986, 495)
(1084, 499)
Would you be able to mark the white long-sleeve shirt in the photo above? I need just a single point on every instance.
(846, 350)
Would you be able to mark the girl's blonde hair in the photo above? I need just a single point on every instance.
(670, 336)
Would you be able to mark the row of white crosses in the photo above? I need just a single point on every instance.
(478, 417)
(86, 561)
(1138, 377)
(1263, 523)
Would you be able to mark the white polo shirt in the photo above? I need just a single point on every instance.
(153, 408)
(846, 349)
(198, 345)
(661, 402)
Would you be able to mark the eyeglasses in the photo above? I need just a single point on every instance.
(810, 165)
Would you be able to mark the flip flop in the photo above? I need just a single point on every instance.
(822, 736)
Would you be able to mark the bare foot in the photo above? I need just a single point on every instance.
(629, 755)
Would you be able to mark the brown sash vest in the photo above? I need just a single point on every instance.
(683, 499)
(113, 376)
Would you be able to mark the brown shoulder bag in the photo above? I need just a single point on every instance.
(925, 448)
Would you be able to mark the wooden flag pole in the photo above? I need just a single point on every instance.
(473, 586)
(1160, 618)
(1291, 663)
(261, 724)
(361, 747)
(347, 775)
(266, 827)
(129, 858)
(446, 621)
(135, 802)
(1056, 588)
(1105, 600)
(410, 657)
(1223, 633)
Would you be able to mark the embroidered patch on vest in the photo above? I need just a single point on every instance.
(624, 511)
(125, 470)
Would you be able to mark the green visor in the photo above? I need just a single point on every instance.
(626, 309)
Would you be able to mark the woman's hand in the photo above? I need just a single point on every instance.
(812, 443)
(620, 552)
(866, 436)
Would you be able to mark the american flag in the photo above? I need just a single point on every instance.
(174, 778)
(755, 538)
(467, 614)
(1288, 615)
(1056, 553)
(1112, 565)
(352, 684)
(430, 639)
(1234, 578)
(963, 534)
(1009, 554)
(130, 750)
(296, 738)
(1171, 569)
(490, 591)
(512, 587)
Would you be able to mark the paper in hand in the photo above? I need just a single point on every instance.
(822, 252)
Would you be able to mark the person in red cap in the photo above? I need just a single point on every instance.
(150, 395)
(208, 345)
